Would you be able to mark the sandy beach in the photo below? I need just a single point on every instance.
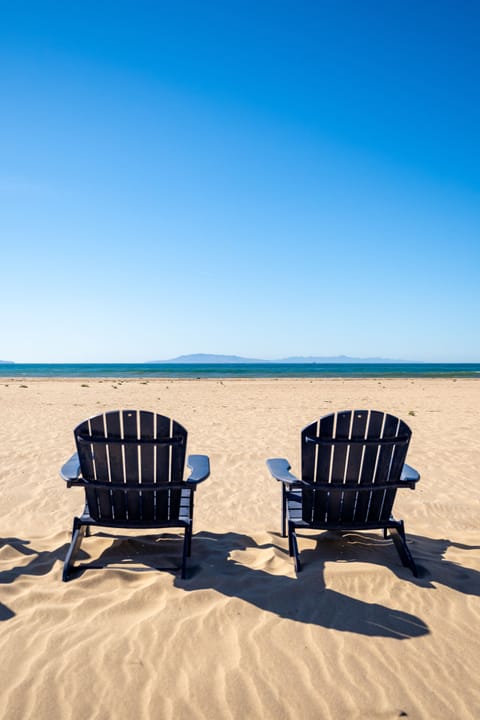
(354, 636)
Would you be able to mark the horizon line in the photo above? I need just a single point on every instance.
(282, 361)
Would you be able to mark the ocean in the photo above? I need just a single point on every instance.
(241, 370)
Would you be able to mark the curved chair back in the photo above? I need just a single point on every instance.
(130, 448)
(341, 452)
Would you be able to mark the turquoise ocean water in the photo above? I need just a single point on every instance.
(240, 370)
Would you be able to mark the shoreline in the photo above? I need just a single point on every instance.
(228, 378)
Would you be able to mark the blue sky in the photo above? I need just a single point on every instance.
(255, 178)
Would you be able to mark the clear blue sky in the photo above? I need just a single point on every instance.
(247, 177)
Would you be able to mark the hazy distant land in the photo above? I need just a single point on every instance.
(212, 359)
(197, 358)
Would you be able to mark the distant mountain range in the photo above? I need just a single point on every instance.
(7, 362)
(205, 358)
(198, 358)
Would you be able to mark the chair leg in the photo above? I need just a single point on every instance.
(290, 544)
(186, 546)
(400, 542)
(292, 537)
(78, 533)
(284, 512)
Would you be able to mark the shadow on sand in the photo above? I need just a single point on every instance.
(40, 564)
(371, 547)
(304, 599)
(307, 599)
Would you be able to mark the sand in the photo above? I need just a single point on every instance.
(354, 636)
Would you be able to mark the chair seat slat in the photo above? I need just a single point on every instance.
(367, 442)
(96, 440)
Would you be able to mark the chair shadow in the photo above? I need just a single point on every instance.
(18, 544)
(438, 569)
(40, 564)
(5, 613)
(138, 553)
(370, 547)
(304, 599)
(307, 599)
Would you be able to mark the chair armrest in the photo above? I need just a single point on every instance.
(409, 476)
(279, 468)
(70, 471)
(200, 467)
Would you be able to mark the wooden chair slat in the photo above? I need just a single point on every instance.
(309, 453)
(130, 431)
(177, 465)
(354, 464)
(385, 455)
(163, 452)
(116, 464)
(99, 452)
(370, 455)
(342, 430)
(147, 464)
(316, 504)
(324, 456)
(84, 453)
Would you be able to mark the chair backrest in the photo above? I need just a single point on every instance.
(131, 447)
(348, 449)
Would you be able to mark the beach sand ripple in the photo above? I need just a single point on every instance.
(354, 636)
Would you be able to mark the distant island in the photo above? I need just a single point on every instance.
(7, 362)
(198, 358)
(205, 358)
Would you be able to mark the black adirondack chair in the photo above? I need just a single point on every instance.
(353, 463)
(131, 465)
